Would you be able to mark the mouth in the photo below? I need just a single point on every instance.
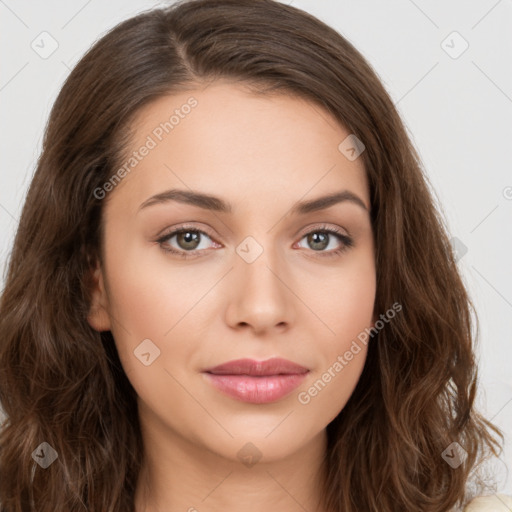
(257, 382)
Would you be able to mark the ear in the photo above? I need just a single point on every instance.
(99, 312)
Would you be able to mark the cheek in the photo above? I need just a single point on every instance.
(153, 351)
(147, 303)
(346, 306)
(149, 293)
(328, 391)
(347, 309)
(346, 300)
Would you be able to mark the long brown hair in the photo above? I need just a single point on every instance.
(61, 382)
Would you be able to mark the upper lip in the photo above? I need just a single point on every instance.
(273, 366)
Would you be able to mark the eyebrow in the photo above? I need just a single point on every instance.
(209, 202)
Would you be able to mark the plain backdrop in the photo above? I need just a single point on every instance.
(447, 67)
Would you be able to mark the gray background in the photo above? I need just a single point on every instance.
(458, 110)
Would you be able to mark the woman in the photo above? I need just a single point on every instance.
(230, 286)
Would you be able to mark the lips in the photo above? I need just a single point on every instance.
(274, 366)
(256, 382)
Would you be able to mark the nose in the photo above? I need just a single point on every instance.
(260, 296)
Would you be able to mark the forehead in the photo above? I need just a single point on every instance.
(226, 140)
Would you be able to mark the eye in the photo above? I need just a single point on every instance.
(188, 240)
(322, 237)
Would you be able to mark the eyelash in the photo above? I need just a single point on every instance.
(347, 242)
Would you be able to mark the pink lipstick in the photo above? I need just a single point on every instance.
(257, 382)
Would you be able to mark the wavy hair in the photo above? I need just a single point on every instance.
(62, 382)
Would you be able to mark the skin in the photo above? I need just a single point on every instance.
(262, 154)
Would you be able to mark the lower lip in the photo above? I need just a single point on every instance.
(256, 390)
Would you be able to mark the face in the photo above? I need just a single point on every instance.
(186, 285)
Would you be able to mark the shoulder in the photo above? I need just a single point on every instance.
(494, 503)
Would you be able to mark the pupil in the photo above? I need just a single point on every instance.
(320, 238)
(189, 237)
